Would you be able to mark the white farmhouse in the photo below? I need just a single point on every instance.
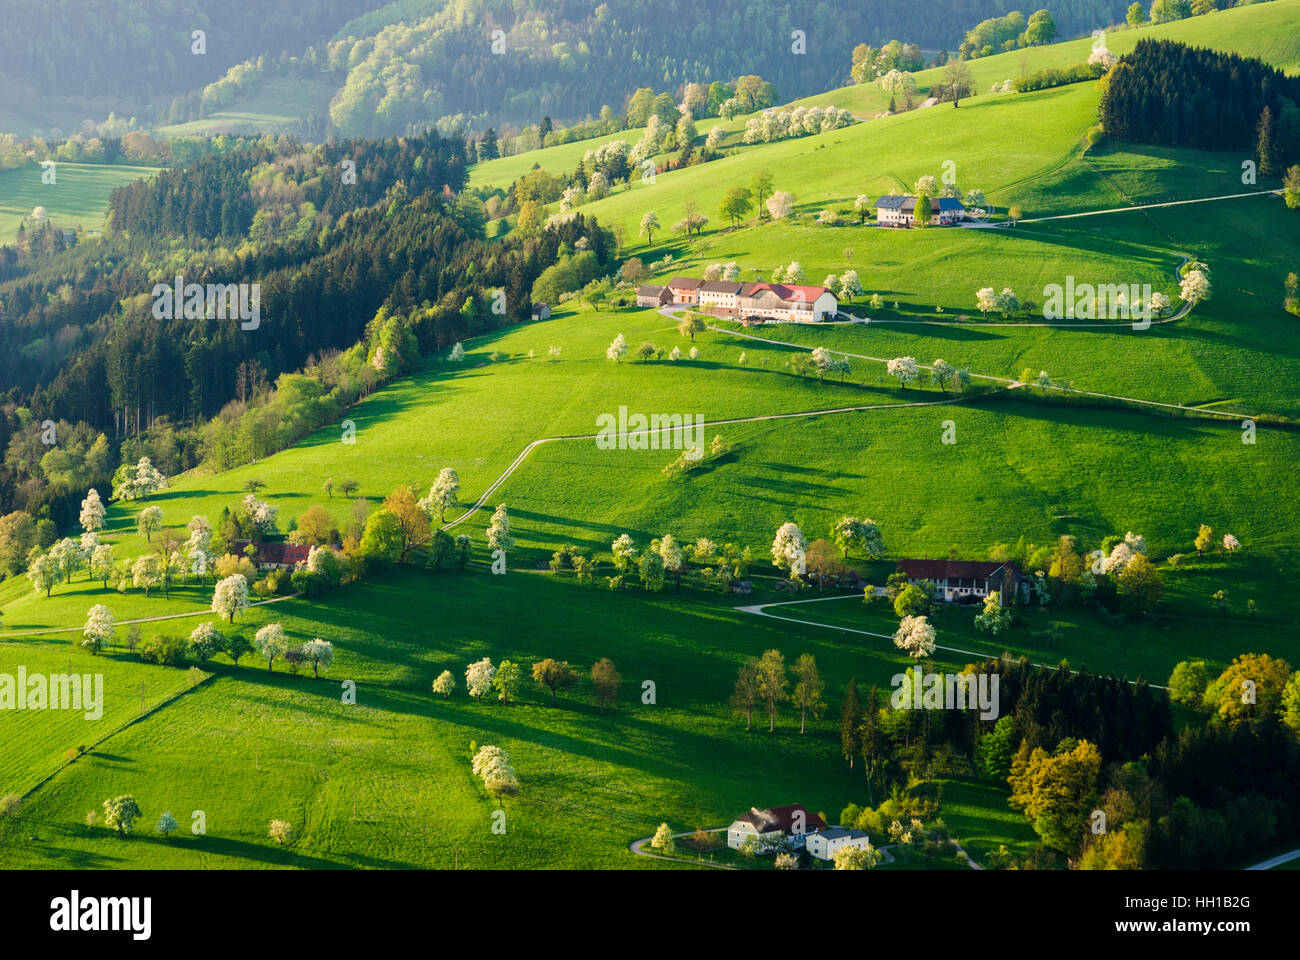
(824, 843)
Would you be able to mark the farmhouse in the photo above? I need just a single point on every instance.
(793, 821)
(685, 289)
(967, 580)
(789, 303)
(653, 295)
(824, 843)
(272, 556)
(541, 311)
(896, 211)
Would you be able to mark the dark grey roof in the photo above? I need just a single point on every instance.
(721, 286)
(649, 290)
(836, 833)
(685, 283)
(891, 203)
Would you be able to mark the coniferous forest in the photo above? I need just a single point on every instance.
(1174, 95)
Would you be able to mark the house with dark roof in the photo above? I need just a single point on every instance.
(824, 843)
(653, 295)
(792, 822)
(958, 581)
(900, 211)
(272, 556)
(541, 311)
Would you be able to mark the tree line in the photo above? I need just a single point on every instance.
(1173, 95)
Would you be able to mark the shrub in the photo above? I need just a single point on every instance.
(163, 649)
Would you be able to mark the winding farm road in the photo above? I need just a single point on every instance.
(523, 455)
(760, 609)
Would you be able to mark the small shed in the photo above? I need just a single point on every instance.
(541, 311)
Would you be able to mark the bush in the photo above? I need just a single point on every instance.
(163, 650)
(1053, 77)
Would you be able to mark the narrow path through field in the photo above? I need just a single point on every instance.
(1276, 861)
(760, 609)
(1152, 206)
(5, 635)
(496, 484)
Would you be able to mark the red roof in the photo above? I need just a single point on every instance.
(801, 292)
(782, 818)
(947, 569)
(274, 552)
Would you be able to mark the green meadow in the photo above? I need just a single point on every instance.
(77, 198)
(280, 103)
(386, 782)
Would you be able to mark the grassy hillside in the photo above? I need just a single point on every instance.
(1265, 30)
(278, 106)
(591, 782)
(78, 197)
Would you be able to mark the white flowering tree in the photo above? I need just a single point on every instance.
(498, 531)
(1231, 543)
(70, 557)
(271, 643)
(137, 483)
(780, 204)
(230, 597)
(457, 353)
(789, 548)
(731, 271)
(149, 521)
(102, 564)
(1007, 302)
(1194, 288)
(994, 618)
(198, 548)
(856, 858)
(849, 532)
(98, 631)
(903, 368)
(444, 683)
(92, 512)
(146, 573)
(478, 677)
(442, 495)
(319, 653)
(261, 514)
(649, 224)
(44, 573)
(850, 287)
(204, 641)
(617, 349)
(915, 637)
(986, 299)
